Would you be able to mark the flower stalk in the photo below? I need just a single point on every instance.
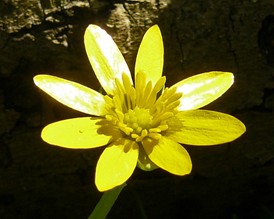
(106, 202)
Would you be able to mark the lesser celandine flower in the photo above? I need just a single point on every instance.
(141, 123)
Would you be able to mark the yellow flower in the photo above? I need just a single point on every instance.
(141, 123)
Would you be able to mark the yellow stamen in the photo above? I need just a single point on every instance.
(142, 111)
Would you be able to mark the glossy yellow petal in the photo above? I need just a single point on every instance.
(106, 59)
(116, 164)
(73, 95)
(168, 155)
(150, 57)
(202, 89)
(77, 133)
(204, 127)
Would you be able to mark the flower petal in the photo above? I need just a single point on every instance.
(204, 127)
(150, 57)
(106, 59)
(77, 133)
(116, 164)
(202, 89)
(168, 155)
(73, 95)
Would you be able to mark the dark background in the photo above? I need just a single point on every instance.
(234, 180)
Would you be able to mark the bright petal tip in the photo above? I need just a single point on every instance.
(169, 155)
(204, 128)
(78, 133)
(199, 90)
(116, 164)
(106, 59)
(71, 94)
(150, 57)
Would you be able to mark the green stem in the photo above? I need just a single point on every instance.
(106, 202)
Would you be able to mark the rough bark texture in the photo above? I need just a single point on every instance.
(235, 180)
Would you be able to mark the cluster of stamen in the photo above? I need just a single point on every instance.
(142, 111)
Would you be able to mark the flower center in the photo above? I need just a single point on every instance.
(138, 119)
(142, 111)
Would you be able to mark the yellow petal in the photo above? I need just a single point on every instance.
(204, 127)
(150, 57)
(116, 164)
(71, 94)
(168, 155)
(77, 133)
(202, 89)
(106, 59)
